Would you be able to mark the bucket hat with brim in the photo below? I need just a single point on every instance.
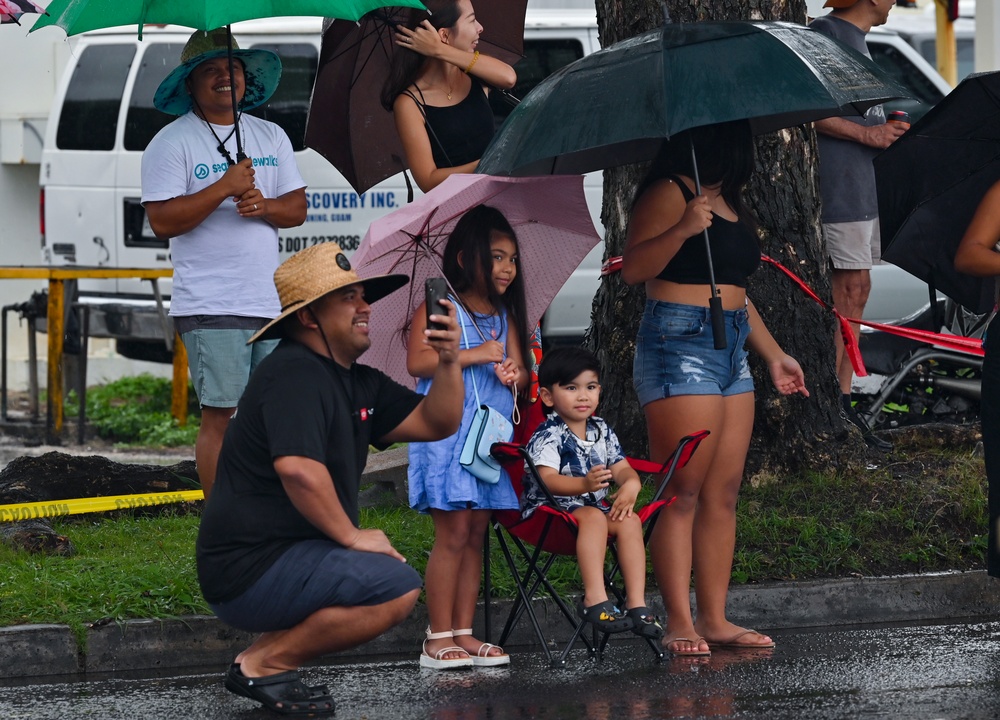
(314, 272)
(261, 69)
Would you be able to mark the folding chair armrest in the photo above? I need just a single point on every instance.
(678, 459)
(508, 452)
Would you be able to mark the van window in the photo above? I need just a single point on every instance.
(289, 106)
(896, 64)
(143, 120)
(965, 51)
(541, 59)
(89, 116)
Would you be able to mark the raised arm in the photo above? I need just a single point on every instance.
(426, 41)
(661, 221)
(976, 254)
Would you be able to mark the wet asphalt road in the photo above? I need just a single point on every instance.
(930, 671)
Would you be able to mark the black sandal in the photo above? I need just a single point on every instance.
(606, 617)
(284, 693)
(645, 623)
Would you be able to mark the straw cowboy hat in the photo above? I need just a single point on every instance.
(316, 271)
(262, 71)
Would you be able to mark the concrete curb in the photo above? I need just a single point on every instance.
(43, 650)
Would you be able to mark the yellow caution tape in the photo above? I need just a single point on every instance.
(79, 506)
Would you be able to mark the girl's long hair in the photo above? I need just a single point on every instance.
(725, 155)
(471, 239)
(407, 64)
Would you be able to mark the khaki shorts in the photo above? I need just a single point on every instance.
(853, 245)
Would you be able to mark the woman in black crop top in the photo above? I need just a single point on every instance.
(684, 384)
(438, 89)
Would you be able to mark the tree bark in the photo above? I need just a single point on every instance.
(790, 434)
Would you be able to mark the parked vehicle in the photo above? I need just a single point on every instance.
(103, 117)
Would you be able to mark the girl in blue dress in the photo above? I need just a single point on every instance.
(481, 264)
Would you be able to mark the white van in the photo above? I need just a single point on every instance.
(103, 117)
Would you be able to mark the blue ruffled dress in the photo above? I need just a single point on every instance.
(436, 479)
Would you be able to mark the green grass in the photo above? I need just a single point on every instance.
(927, 514)
(135, 411)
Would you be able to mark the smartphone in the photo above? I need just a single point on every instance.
(435, 290)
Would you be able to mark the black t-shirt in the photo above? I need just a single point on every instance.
(295, 404)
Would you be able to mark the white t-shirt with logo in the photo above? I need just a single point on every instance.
(225, 266)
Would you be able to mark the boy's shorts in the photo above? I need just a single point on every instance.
(675, 353)
(853, 245)
(312, 575)
(220, 362)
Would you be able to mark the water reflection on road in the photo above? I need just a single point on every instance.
(928, 671)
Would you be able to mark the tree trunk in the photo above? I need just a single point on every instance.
(790, 434)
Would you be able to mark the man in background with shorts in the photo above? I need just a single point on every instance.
(221, 213)
(279, 549)
(847, 188)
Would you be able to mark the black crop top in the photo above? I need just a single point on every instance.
(459, 133)
(735, 253)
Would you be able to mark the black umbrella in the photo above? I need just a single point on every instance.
(347, 123)
(930, 182)
(618, 105)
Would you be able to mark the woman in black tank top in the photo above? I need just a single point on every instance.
(684, 384)
(437, 90)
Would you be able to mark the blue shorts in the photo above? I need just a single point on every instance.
(220, 362)
(312, 575)
(675, 353)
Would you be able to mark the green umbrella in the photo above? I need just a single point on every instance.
(618, 105)
(78, 16)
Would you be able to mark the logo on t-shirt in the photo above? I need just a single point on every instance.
(201, 171)
(366, 413)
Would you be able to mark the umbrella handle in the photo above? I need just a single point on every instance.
(715, 301)
(718, 322)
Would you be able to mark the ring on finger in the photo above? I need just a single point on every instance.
(255, 207)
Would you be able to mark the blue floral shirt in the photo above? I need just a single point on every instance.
(554, 445)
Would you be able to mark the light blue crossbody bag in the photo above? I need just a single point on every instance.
(488, 427)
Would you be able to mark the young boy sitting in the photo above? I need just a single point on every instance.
(578, 456)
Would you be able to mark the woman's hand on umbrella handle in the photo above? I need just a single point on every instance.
(490, 351)
(507, 372)
(697, 216)
(423, 39)
(238, 179)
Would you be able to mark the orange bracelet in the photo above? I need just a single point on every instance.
(475, 57)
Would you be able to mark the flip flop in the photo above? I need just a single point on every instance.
(688, 653)
(734, 643)
(284, 693)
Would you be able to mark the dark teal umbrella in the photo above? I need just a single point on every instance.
(618, 105)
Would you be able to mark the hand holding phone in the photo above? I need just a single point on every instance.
(435, 290)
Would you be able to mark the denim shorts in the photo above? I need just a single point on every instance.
(220, 362)
(675, 353)
(312, 575)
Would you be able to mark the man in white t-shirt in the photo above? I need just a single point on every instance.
(222, 212)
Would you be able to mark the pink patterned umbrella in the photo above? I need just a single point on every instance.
(554, 232)
(12, 10)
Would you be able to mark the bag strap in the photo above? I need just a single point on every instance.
(465, 337)
(516, 416)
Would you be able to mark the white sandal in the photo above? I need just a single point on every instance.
(482, 658)
(436, 662)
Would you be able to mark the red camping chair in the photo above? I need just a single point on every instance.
(551, 532)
